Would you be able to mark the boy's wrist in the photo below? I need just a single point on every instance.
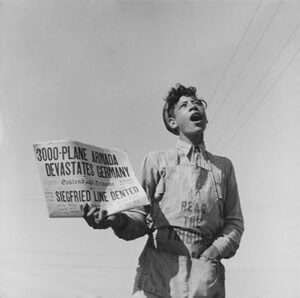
(211, 253)
(119, 222)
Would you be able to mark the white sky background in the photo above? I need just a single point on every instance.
(96, 72)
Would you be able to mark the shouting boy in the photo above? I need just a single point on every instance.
(194, 218)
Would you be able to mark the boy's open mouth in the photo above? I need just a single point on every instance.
(196, 117)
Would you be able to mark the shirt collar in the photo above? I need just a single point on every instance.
(189, 149)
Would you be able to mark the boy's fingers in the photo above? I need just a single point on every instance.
(95, 217)
(100, 216)
(92, 211)
(89, 215)
(86, 209)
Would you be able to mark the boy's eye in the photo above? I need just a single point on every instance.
(198, 103)
(182, 105)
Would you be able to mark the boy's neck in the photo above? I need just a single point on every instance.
(193, 140)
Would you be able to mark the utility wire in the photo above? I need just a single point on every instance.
(257, 86)
(234, 53)
(67, 265)
(262, 99)
(68, 253)
(17, 195)
(20, 198)
(247, 61)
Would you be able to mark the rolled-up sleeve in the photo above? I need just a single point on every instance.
(228, 241)
(137, 220)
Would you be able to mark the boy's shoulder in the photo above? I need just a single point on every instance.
(165, 158)
(162, 158)
(219, 161)
(219, 158)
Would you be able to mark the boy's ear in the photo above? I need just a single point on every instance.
(172, 123)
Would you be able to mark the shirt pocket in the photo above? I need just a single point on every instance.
(219, 191)
(217, 177)
(220, 197)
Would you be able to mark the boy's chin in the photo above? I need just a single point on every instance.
(193, 134)
(196, 132)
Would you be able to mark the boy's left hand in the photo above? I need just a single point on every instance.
(211, 253)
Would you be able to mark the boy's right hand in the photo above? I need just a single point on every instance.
(97, 218)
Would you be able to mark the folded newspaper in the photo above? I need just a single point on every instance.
(74, 174)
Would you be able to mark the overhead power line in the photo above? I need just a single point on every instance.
(262, 99)
(234, 53)
(257, 86)
(66, 265)
(20, 197)
(247, 61)
(65, 253)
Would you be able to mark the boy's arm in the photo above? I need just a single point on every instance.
(127, 225)
(133, 225)
(227, 243)
(136, 220)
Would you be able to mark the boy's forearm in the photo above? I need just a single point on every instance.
(229, 240)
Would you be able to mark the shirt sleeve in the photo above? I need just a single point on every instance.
(138, 219)
(228, 241)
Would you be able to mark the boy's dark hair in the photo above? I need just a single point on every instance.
(172, 99)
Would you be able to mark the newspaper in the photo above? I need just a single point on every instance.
(74, 174)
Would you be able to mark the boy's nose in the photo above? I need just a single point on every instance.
(193, 107)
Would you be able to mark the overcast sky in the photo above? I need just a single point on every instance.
(97, 72)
